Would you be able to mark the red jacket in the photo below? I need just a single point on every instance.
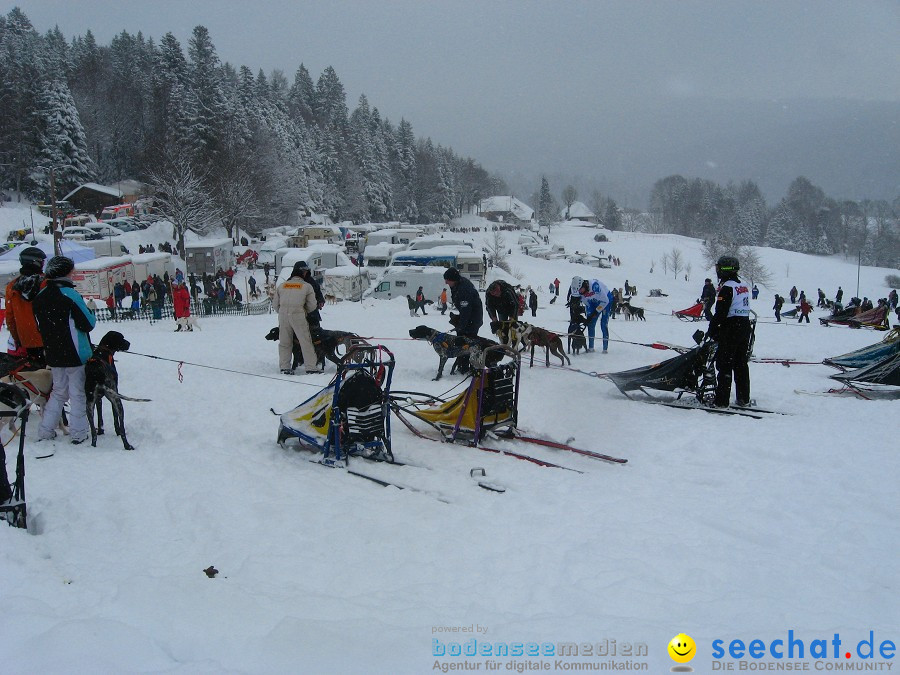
(181, 301)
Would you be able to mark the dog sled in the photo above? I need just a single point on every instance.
(881, 377)
(489, 403)
(15, 406)
(867, 356)
(692, 313)
(873, 318)
(349, 417)
(692, 372)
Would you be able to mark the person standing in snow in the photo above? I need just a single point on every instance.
(708, 298)
(420, 301)
(805, 309)
(294, 299)
(779, 303)
(181, 306)
(20, 292)
(597, 299)
(731, 328)
(467, 302)
(65, 323)
(443, 301)
(532, 302)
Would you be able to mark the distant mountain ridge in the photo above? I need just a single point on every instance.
(851, 149)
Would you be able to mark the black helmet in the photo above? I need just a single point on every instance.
(32, 255)
(727, 265)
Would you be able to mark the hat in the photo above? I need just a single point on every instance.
(33, 255)
(59, 266)
(298, 268)
(452, 274)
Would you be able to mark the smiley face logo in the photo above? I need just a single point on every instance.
(682, 648)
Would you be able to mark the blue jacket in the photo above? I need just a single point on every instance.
(598, 300)
(65, 323)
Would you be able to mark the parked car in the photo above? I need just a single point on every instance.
(128, 224)
(105, 229)
(80, 233)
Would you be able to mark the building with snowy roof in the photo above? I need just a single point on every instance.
(579, 211)
(502, 209)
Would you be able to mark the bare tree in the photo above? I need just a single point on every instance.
(687, 271)
(569, 196)
(664, 263)
(631, 220)
(235, 199)
(752, 269)
(676, 261)
(497, 249)
(182, 199)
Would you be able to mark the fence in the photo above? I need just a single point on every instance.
(204, 307)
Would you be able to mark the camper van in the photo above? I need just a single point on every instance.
(105, 247)
(318, 257)
(269, 248)
(391, 235)
(378, 256)
(470, 263)
(148, 264)
(398, 282)
(346, 282)
(96, 278)
(431, 241)
(327, 233)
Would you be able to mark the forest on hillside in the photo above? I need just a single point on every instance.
(260, 148)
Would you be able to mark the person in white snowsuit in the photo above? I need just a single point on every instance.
(293, 300)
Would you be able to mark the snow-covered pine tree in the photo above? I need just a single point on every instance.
(546, 207)
(60, 142)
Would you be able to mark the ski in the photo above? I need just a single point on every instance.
(519, 455)
(754, 409)
(384, 483)
(740, 412)
(564, 446)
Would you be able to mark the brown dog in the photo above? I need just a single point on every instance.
(535, 336)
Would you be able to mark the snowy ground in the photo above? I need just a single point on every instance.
(718, 527)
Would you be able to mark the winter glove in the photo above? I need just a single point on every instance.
(454, 318)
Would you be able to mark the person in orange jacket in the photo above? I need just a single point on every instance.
(23, 329)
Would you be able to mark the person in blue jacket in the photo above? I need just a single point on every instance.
(65, 323)
(597, 300)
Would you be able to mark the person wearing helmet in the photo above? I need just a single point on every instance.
(597, 299)
(730, 327)
(25, 338)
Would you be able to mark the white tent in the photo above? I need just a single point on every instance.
(70, 249)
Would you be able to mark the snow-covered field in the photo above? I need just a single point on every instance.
(718, 527)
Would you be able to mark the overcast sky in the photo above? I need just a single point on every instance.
(485, 77)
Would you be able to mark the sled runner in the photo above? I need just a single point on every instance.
(489, 403)
(351, 415)
(692, 313)
(14, 405)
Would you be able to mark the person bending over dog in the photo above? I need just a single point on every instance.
(502, 305)
(65, 323)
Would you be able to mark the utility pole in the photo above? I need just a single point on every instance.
(57, 236)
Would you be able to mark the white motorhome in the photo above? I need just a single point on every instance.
(266, 253)
(431, 241)
(96, 278)
(470, 263)
(346, 282)
(398, 282)
(319, 257)
(378, 256)
(391, 235)
(148, 264)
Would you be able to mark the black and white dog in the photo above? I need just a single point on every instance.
(449, 346)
